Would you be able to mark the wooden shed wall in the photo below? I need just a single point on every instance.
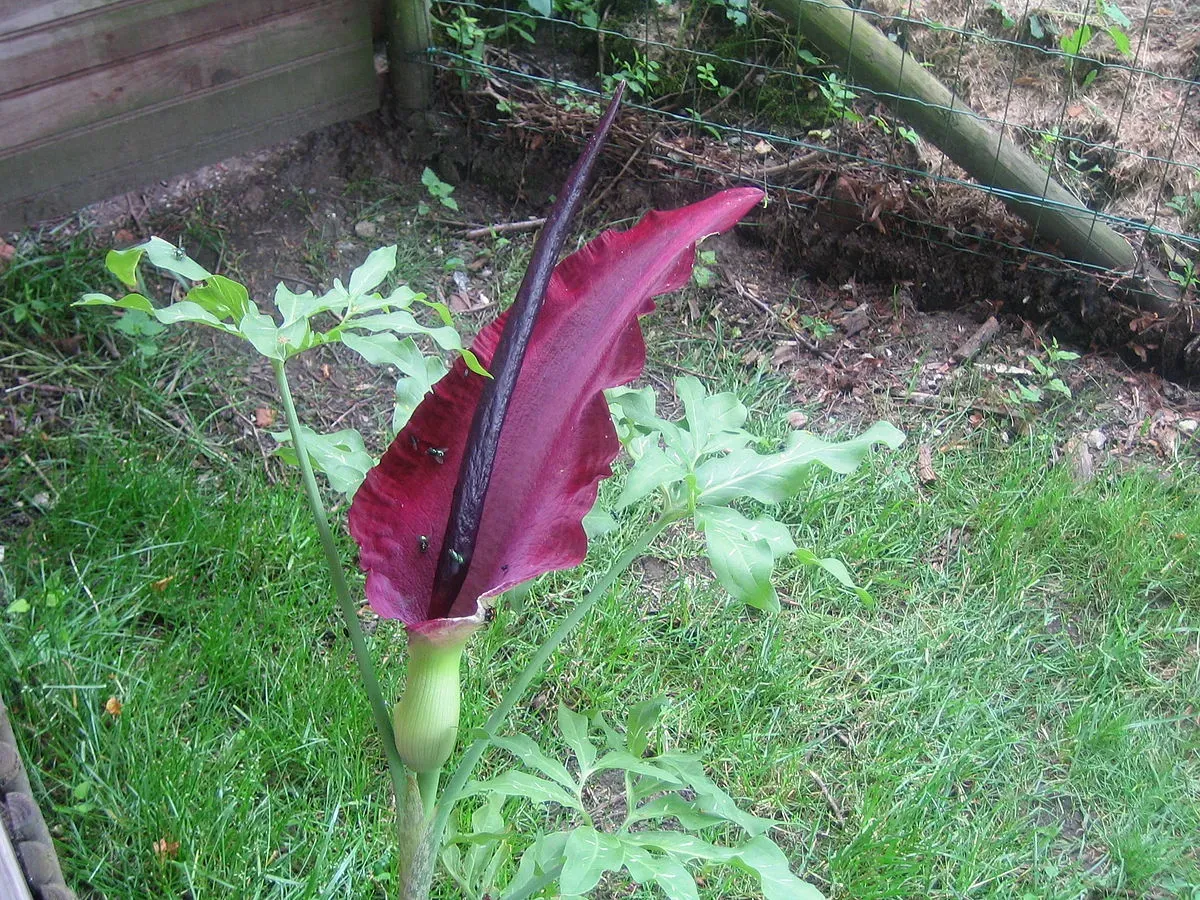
(100, 96)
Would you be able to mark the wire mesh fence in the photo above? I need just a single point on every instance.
(1104, 99)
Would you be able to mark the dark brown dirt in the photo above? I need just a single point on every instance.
(897, 304)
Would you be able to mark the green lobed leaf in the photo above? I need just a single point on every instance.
(515, 783)
(401, 321)
(129, 301)
(342, 456)
(165, 255)
(420, 372)
(260, 330)
(668, 873)
(574, 730)
(543, 856)
(743, 553)
(710, 798)
(653, 470)
(541, 7)
(1120, 39)
(124, 263)
(292, 306)
(188, 311)
(627, 762)
(633, 412)
(713, 422)
(599, 522)
(1114, 12)
(775, 477)
(221, 296)
(296, 337)
(377, 266)
(837, 569)
(529, 754)
(673, 806)
(587, 855)
(474, 364)
(441, 309)
(763, 857)
(640, 723)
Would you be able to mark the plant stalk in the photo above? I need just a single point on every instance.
(366, 670)
(535, 666)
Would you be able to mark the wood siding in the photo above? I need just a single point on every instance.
(100, 96)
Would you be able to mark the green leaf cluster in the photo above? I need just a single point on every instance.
(668, 801)
(707, 461)
(381, 328)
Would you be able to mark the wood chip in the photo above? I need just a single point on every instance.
(983, 336)
(925, 473)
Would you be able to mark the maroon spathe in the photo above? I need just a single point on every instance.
(558, 440)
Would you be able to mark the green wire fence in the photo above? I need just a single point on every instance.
(1099, 100)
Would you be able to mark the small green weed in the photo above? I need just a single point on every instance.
(438, 190)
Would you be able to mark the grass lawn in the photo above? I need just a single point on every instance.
(1016, 716)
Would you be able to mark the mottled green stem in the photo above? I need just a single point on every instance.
(536, 666)
(366, 671)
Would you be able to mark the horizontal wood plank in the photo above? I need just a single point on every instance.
(18, 14)
(192, 68)
(117, 156)
(64, 46)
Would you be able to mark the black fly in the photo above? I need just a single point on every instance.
(437, 454)
(423, 543)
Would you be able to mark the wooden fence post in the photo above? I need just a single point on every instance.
(409, 39)
(849, 40)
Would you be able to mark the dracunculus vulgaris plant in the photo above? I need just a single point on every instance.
(486, 487)
(488, 483)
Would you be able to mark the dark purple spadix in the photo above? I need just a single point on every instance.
(466, 510)
(557, 442)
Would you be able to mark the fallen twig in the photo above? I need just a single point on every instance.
(504, 228)
(799, 162)
(983, 336)
(833, 804)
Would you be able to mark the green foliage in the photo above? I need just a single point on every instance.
(383, 330)
(668, 801)
(704, 463)
(37, 286)
(736, 11)
(1186, 277)
(1108, 19)
(816, 326)
(1044, 378)
(838, 98)
(640, 75)
(1188, 207)
(438, 190)
(702, 273)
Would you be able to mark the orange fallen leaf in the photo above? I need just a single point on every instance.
(113, 707)
(161, 584)
(1074, 110)
(165, 849)
(264, 417)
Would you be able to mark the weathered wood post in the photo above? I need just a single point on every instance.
(851, 41)
(409, 39)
